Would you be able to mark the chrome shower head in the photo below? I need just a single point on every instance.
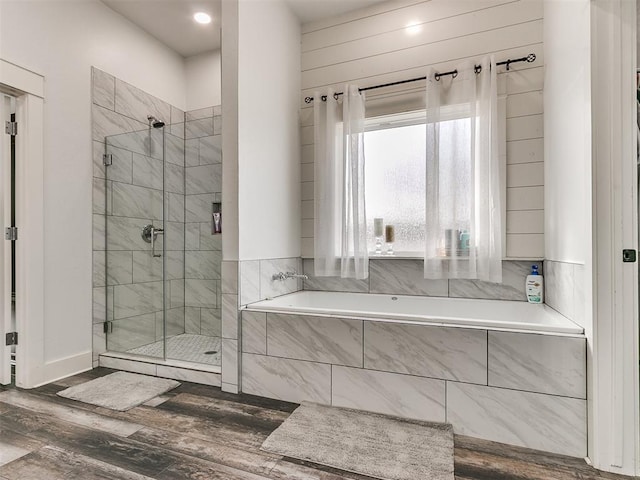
(154, 122)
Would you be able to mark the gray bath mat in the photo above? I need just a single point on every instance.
(120, 390)
(366, 443)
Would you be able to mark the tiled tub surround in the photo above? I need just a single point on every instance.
(524, 389)
(247, 282)
(564, 289)
(404, 276)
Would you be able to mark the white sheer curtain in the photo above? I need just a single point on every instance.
(339, 207)
(463, 214)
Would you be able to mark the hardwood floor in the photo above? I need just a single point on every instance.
(198, 432)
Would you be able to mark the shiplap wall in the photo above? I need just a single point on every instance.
(373, 46)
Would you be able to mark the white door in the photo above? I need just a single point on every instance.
(7, 320)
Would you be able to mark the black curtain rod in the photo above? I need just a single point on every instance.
(454, 73)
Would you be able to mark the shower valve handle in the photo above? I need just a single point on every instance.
(149, 235)
(154, 233)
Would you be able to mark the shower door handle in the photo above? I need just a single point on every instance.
(154, 233)
(149, 235)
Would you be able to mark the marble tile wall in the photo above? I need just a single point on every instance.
(439, 352)
(564, 289)
(257, 282)
(127, 197)
(400, 276)
(203, 250)
(247, 282)
(518, 388)
(533, 420)
(130, 196)
(231, 328)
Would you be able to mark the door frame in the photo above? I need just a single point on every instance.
(28, 89)
(7, 108)
(614, 402)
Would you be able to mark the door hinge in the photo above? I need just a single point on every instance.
(11, 128)
(107, 327)
(11, 338)
(107, 159)
(11, 233)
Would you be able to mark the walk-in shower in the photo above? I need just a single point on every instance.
(163, 259)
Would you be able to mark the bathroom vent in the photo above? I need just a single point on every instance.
(11, 128)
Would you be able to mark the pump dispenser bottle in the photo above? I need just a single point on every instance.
(534, 286)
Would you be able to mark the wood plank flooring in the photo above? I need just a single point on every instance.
(197, 432)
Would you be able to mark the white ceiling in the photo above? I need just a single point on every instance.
(171, 21)
(313, 10)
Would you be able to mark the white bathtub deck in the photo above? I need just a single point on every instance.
(461, 312)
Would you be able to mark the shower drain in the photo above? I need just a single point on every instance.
(211, 352)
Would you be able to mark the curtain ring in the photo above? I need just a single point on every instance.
(323, 98)
(437, 77)
(454, 74)
(335, 96)
(477, 69)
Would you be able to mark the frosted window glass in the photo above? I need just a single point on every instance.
(395, 185)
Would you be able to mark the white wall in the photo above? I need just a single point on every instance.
(61, 40)
(567, 130)
(229, 79)
(268, 130)
(203, 80)
(372, 46)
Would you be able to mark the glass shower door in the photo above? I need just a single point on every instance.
(134, 263)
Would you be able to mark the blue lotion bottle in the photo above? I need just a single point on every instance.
(534, 286)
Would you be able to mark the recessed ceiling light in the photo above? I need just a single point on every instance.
(413, 28)
(202, 17)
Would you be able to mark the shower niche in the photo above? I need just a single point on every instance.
(162, 248)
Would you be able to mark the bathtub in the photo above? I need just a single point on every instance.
(444, 311)
(505, 371)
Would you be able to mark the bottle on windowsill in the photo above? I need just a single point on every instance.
(535, 286)
(389, 237)
(378, 232)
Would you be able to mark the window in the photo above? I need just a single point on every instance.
(395, 179)
(395, 176)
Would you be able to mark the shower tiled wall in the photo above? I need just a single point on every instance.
(203, 250)
(132, 197)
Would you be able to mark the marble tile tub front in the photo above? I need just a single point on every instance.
(428, 351)
(526, 389)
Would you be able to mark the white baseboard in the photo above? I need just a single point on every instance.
(62, 368)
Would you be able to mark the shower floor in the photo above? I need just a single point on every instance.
(185, 347)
